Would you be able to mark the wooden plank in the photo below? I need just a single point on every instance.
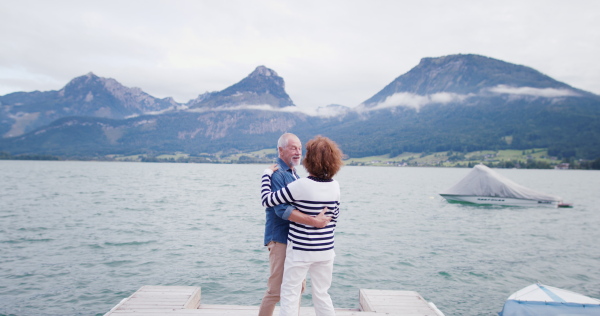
(185, 301)
(149, 297)
(167, 288)
(186, 296)
(232, 310)
(194, 300)
(400, 302)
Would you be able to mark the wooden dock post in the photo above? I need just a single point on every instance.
(185, 301)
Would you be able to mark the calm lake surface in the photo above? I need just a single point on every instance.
(77, 237)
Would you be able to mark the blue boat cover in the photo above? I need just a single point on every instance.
(532, 308)
(540, 299)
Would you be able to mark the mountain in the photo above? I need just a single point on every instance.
(462, 76)
(190, 132)
(457, 103)
(262, 87)
(470, 102)
(88, 95)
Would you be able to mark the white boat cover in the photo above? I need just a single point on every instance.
(539, 299)
(483, 181)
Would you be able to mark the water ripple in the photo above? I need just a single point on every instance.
(77, 237)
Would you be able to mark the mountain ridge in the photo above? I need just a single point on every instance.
(87, 95)
(470, 103)
(261, 87)
(467, 75)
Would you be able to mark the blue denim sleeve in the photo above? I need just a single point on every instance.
(287, 212)
(277, 183)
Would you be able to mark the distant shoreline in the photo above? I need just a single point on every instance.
(511, 159)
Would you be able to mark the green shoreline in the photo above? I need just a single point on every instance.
(536, 158)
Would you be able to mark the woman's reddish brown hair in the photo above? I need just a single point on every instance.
(323, 157)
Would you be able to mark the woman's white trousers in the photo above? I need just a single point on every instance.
(294, 273)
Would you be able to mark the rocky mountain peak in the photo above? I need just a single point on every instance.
(88, 78)
(263, 71)
(90, 87)
(261, 87)
(461, 74)
(87, 95)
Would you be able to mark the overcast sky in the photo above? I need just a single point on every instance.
(328, 52)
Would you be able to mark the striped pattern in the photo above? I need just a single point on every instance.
(309, 197)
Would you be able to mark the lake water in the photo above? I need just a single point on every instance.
(77, 237)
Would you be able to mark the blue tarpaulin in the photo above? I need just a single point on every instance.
(523, 308)
(538, 299)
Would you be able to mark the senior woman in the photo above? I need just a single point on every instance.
(309, 249)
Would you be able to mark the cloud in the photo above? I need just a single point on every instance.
(262, 107)
(328, 111)
(328, 52)
(535, 92)
(331, 110)
(417, 101)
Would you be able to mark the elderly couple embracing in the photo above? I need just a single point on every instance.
(301, 216)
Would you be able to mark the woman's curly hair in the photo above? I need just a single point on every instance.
(323, 157)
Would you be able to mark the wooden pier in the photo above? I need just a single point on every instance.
(185, 301)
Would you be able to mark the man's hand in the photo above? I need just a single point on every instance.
(318, 221)
(322, 220)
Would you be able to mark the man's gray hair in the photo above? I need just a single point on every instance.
(284, 140)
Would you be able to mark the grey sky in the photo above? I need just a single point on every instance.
(328, 52)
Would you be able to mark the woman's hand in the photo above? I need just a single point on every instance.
(271, 169)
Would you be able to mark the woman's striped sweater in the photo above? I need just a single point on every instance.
(308, 195)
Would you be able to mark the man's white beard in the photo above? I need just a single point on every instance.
(296, 163)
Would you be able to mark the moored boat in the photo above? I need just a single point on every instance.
(484, 186)
(492, 200)
(539, 299)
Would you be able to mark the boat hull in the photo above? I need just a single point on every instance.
(494, 200)
(539, 299)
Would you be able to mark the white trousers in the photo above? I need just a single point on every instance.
(294, 274)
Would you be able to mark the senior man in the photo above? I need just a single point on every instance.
(289, 148)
